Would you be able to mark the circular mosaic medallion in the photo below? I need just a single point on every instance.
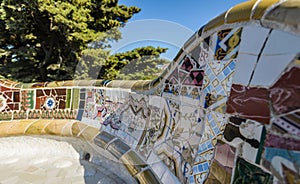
(2, 103)
(50, 103)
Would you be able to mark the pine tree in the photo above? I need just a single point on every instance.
(44, 40)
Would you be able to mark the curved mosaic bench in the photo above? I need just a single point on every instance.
(226, 110)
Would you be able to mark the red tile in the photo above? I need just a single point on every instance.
(249, 102)
(2, 88)
(285, 93)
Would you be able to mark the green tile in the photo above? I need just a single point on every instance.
(69, 94)
(75, 99)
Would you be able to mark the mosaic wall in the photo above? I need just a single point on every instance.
(227, 110)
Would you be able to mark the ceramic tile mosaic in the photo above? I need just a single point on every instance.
(247, 45)
(185, 80)
(213, 127)
(225, 43)
(281, 161)
(288, 124)
(218, 78)
(274, 63)
(243, 101)
(225, 111)
(222, 164)
(128, 120)
(281, 155)
(244, 68)
(205, 53)
(282, 43)
(285, 93)
(246, 172)
(247, 136)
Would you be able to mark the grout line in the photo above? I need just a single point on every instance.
(259, 55)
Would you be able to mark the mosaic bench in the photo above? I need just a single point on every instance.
(226, 110)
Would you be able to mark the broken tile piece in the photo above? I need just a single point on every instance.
(249, 102)
(285, 93)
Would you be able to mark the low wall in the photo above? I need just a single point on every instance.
(226, 110)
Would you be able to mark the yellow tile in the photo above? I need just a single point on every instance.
(4, 127)
(88, 83)
(37, 127)
(99, 83)
(55, 127)
(121, 84)
(67, 128)
(77, 127)
(240, 12)
(262, 7)
(133, 162)
(147, 176)
(287, 13)
(89, 133)
(19, 127)
(69, 83)
(218, 21)
(141, 85)
(297, 62)
(155, 82)
(53, 84)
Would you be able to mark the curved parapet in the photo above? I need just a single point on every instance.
(226, 110)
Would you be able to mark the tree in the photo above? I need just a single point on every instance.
(43, 40)
(141, 63)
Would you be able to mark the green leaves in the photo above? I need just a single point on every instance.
(139, 64)
(44, 40)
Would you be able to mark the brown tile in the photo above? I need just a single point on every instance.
(60, 91)
(39, 93)
(285, 93)
(16, 96)
(249, 102)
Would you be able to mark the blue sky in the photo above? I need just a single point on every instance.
(167, 23)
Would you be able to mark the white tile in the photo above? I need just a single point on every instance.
(157, 101)
(213, 43)
(252, 39)
(159, 168)
(169, 178)
(269, 68)
(244, 67)
(281, 42)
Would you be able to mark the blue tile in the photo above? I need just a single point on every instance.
(226, 71)
(200, 168)
(232, 65)
(221, 76)
(216, 130)
(209, 117)
(213, 123)
(195, 170)
(205, 166)
(79, 114)
(219, 89)
(210, 145)
(192, 180)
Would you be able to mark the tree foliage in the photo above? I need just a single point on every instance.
(44, 40)
(140, 63)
